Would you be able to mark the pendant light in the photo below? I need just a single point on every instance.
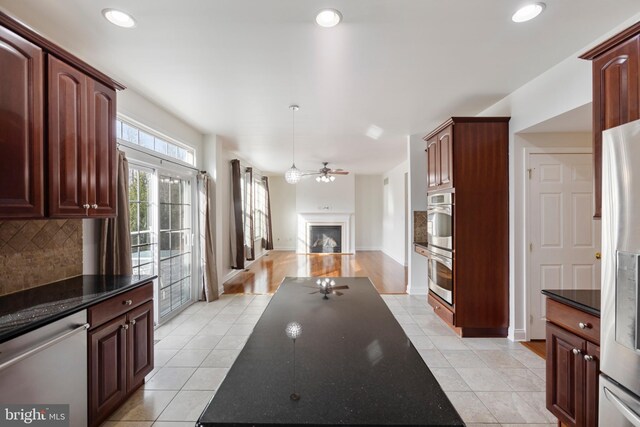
(293, 175)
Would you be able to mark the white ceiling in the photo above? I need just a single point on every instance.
(232, 67)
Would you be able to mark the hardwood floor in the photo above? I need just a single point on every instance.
(265, 275)
(539, 347)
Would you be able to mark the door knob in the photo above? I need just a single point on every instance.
(127, 302)
(94, 206)
(133, 322)
(576, 351)
(583, 325)
(125, 326)
(598, 255)
(588, 357)
(85, 206)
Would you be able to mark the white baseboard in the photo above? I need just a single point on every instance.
(517, 334)
(284, 248)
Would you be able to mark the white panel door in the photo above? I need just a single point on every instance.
(564, 236)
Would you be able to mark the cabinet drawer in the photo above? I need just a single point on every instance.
(422, 251)
(571, 318)
(442, 310)
(119, 304)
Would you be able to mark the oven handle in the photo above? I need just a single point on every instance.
(445, 209)
(623, 408)
(43, 346)
(435, 257)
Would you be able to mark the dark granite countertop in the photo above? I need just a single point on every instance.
(587, 300)
(354, 366)
(24, 311)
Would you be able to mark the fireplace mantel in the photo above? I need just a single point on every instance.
(344, 219)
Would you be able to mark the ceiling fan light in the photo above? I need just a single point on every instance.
(317, 179)
(332, 178)
(293, 175)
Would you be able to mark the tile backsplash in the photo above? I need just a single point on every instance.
(36, 252)
(420, 226)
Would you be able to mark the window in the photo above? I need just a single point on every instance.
(134, 135)
(141, 221)
(260, 209)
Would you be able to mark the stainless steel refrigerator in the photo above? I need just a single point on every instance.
(620, 311)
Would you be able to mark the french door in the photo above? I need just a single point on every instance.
(162, 230)
(175, 201)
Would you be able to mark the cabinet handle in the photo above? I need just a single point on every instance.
(576, 351)
(94, 206)
(133, 322)
(127, 302)
(125, 326)
(583, 325)
(588, 358)
(86, 206)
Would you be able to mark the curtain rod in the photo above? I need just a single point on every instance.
(162, 159)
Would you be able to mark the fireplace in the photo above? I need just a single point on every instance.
(336, 226)
(325, 238)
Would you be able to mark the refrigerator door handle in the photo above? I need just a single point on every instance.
(624, 409)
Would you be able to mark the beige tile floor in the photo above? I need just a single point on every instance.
(490, 381)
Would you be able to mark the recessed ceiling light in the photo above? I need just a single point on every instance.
(528, 12)
(119, 18)
(328, 18)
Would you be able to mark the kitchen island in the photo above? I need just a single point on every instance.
(354, 366)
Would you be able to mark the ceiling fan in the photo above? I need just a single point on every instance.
(326, 174)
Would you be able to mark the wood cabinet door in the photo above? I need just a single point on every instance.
(565, 376)
(68, 153)
(445, 148)
(139, 345)
(21, 128)
(616, 98)
(107, 375)
(592, 375)
(433, 163)
(101, 141)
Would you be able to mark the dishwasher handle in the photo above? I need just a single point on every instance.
(40, 347)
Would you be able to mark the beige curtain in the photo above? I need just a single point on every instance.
(115, 237)
(207, 253)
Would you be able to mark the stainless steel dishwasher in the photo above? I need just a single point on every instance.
(48, 366)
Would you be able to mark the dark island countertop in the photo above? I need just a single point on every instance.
(587, 300)
(354, 365)
(24, 311)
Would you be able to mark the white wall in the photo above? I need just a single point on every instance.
(337, 196)
(368, 209)
(394, 214)
(417, 280)
(283, 213)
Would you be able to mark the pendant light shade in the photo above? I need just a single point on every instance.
(293, 175)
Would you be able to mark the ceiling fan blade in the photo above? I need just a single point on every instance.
(339, 172)
(340, 287)
(338, 293)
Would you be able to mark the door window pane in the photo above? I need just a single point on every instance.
(143, 243)
(175, 242)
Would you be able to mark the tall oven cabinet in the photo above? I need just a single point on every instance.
(468, 157)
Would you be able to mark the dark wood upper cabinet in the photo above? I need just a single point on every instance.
(77, 132)
(21, 127)
(102, 149)
(68, 148)
(433, 159)
(445, 149)
(616, 92)
(82, 144)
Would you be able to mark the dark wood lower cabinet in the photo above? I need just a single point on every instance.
(573, 368)
(120, 350)
(139, 345)
(107, 373)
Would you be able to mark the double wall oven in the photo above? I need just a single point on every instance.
(440, 244)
